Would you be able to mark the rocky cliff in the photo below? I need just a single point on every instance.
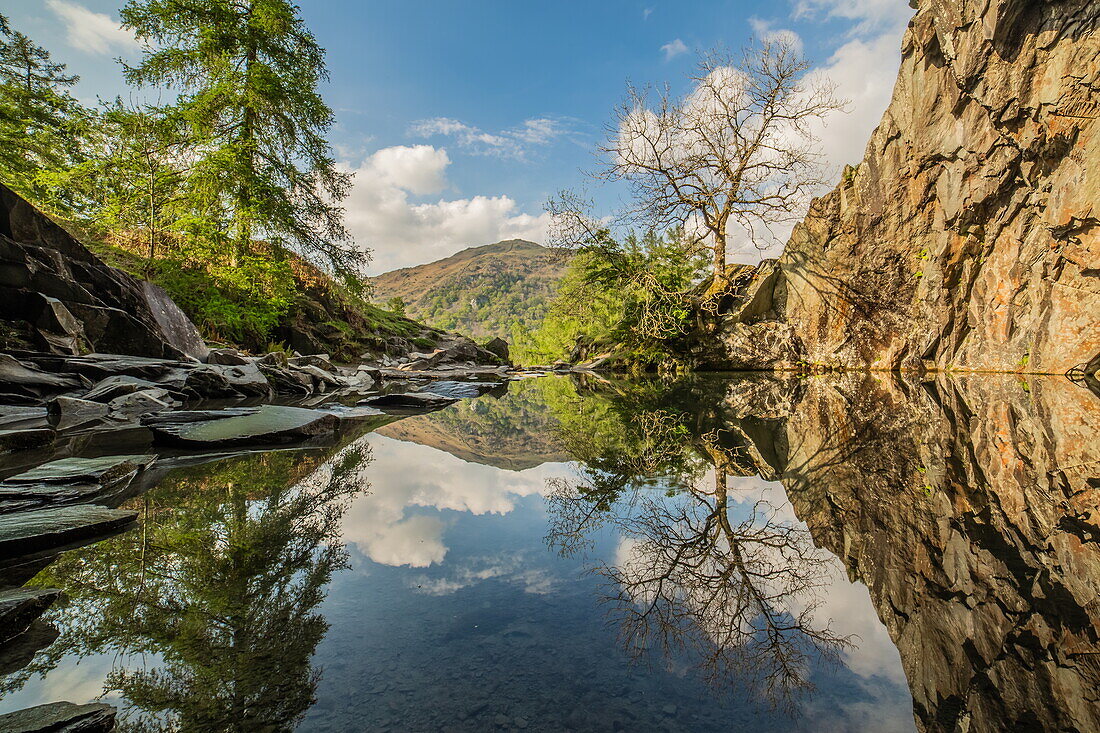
(969, 236)
(56, 296)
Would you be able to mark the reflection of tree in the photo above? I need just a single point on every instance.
(219, 586)
(735, 588)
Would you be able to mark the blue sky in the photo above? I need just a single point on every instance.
(461, 117)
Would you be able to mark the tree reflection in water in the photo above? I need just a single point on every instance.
(734, 585)
(218, 588)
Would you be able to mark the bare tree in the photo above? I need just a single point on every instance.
(737, 151)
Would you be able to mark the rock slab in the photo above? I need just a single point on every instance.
(60, 717)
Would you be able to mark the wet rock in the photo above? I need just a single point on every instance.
(409, 400)
(315, 360)
(70, 481)
(269, 424)
(21, 378)
(274, 358)
(66, 412)
(60, 717)
(498, 347)
(13, 440)
(48, 529)
(64, 297)
(286, 381)
(227, 357)
(22, 606)
(141, 403)
(321, 378)
(109, 388)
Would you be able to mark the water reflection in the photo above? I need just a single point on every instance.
(865, 552)
(211, 607)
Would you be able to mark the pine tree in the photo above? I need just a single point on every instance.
(247, 73)
(41, 123)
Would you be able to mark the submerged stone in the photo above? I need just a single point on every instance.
(60, 717)
(266, 424)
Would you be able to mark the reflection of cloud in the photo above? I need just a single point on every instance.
(513, 569)
(405, 476)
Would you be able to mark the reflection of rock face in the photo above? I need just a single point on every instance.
(969, 509)
(968, 234)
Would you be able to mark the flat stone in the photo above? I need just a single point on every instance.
(141, 403)
(409, 400)
(46, 529)
(66, 412)
(70, 481)
(228, 357)
(22, 606)
(121, 384)
(60, 717)
(14, 372)
(263, 425)
(17, 653)
(317, 360)
(22, 439)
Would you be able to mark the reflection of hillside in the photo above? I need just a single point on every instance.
(515, 432)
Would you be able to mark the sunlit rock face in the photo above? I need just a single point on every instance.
(969, 236)
(969, 508)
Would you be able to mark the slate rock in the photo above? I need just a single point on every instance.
(109, 388)
(227, 357)
(70, 481)
(66, 412)
(316, 360)
(269, 424)
(60, 717)
(141, 403)
(20, 607)
(286, 381)
(47, 529)
(15, 439)
(25, 379)
(19, 651)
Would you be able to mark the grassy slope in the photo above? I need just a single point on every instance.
(481, 290)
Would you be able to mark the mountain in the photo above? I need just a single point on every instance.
(480, 291)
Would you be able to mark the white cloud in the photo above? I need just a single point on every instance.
(382, 214)
(870, 16)
(517, 142)
(646, 12)
(89, 31)
(674, 48)
(765, 30)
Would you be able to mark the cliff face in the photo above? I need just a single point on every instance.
(969, 236)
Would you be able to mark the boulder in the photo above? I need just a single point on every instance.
(61, 296)
(49, 529)
(22, 606)
(109, 388)
(274, 358)
(66, 412)
(286, 381)
(269, 424)
(60, 717)
(141, 403)
(227, 357)
(499, 348)
(316, 360)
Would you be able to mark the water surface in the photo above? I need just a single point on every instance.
(711, 554)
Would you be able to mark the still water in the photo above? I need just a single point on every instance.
(837, 554)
